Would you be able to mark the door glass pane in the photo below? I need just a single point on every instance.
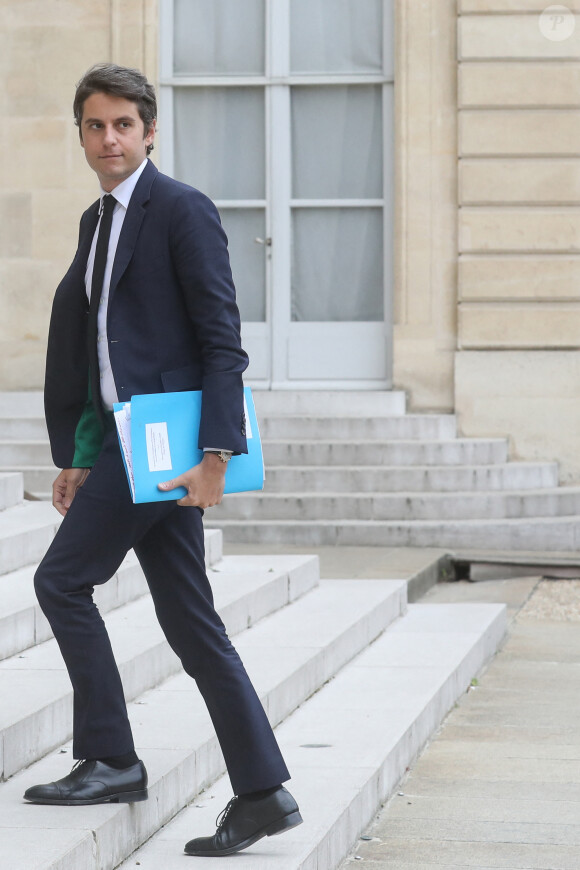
(337, 264)
(337, 142)
(219, 37)
(248, 259)
(220, 141)
(336, 36)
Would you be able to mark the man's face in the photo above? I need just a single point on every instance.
(113, 136)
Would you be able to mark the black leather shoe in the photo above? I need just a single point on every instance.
(244, 821)
(93, 782)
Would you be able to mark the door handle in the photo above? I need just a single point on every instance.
(267, 241)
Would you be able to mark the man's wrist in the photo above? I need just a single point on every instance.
(223, 455)
(214, 463)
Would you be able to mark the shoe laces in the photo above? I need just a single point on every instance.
(223, 816)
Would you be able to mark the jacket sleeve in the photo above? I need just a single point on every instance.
(74, 430)
(200, 256)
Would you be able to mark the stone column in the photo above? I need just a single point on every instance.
(425, 292)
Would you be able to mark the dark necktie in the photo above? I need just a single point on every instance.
(99, 266)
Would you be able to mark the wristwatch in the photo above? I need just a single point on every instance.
(224, 455)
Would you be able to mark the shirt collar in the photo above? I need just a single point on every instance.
(124, 191)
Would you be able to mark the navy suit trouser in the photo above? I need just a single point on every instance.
(101, 525)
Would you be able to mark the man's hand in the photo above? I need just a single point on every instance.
(65, 486)
(204, 483)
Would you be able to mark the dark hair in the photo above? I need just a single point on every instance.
(118, 81)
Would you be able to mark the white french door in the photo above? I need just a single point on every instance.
(281, 111)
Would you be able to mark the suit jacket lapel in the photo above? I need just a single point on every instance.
(132, 225)
(88, 227)
(89, 232)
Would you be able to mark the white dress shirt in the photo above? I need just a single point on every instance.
(122, 193)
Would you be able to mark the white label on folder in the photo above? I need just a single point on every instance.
(158, 453)
(248, 424)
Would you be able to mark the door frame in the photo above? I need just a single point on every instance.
(269, 342)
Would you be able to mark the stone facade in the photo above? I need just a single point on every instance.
(518, 289)
(486, 300)
(45, 46)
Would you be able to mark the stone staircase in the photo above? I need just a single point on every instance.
(354, 677)
(355, 469)
(24, 442)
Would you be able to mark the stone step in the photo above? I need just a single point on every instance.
(349, 478)
(23, 428)
(214, 547)
(11, 489)
(333, 403)
(290, 655)
(23, 624)
(26, 531)
(38, 716)
(409, 426)
(21, 403)
(339, 506)
(418, 478)
(319, 427)
(543, 533)
(370, 428)
(25, 452)
(460, 451)
(37, 478)
(349, 745)
(15, 454)
(380, 403)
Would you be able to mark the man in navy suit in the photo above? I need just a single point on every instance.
(153, 258)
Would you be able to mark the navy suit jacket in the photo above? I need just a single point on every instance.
(173, 322)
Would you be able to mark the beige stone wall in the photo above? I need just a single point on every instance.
(517, 364)
(533, 396)
(45, 184)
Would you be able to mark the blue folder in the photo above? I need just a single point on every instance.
(160, 442)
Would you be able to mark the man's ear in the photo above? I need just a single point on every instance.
(81, 138)
(150, 135)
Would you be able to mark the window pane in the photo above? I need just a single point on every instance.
(248, 259)
(337, 142)
(219, 37)
(342, 36)
(337, 267)
(220, 141)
